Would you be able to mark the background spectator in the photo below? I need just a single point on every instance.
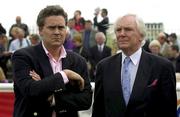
(103, 25)
(155, 47)
(79, 21)
(20, 25)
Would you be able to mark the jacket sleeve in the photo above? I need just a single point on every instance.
(168, 91)
(72, 98)
(22, 64)
(98, 105)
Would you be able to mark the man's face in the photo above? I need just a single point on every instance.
(88, 26)
(99, 40)
(161, 38)
(71, 24)
(77, 15)
(128, 36)
(53, 32)
(18, 19)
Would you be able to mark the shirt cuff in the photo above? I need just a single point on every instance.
(53, 101)
(65, 78)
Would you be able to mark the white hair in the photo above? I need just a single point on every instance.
(140, 26)
(100, 34)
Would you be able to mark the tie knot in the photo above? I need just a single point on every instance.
(100, 48)
(127, 60)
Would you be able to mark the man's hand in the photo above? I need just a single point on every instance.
(75, 78)
(34, 75)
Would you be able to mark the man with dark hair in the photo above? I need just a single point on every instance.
(175, 57)
(103, 25)
(174, 39)
(88, 35)
(49, 80)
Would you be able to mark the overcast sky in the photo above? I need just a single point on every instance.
(151, 11)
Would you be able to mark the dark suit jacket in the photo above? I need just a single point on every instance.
(153, 94)
(177, 65)
(102, 25)
(96, 56)
(31, 97)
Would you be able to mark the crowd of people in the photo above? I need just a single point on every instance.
(80, 38)
(167, 46)
(52, 70)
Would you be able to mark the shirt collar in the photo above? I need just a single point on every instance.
(63, 53)
(102, 45)
(135, 57)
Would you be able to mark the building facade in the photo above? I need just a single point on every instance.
(153, 29)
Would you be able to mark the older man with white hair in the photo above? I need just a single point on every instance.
(98, 52)
(134, 83)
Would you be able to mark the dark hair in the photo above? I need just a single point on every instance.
(166, 34)
(35, 36)
(105, 11)
(173, 35)
(54, 10)
(78, 12)
(175, 47)
(88, 21)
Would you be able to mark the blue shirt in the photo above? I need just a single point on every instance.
(135, 58)
(15, 44)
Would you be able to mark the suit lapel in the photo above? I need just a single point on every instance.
(142, 76)
(115, 84)
(122, 103)
(67, 61)
(43, 60)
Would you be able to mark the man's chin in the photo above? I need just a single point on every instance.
(123, 47)
(57, 44)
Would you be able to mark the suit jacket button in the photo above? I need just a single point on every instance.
(62, 111)
(58, 90)
(35, 113)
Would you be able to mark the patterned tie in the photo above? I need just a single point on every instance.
(126, 79)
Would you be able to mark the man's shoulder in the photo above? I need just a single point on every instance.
(23, 24)
(111, 59)
(93, 48)
(71, 54)
(107, 47)
(15, 41)
(30, 50)
(93, 31)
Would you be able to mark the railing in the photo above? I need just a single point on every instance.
(7, 100)
(6, 87)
